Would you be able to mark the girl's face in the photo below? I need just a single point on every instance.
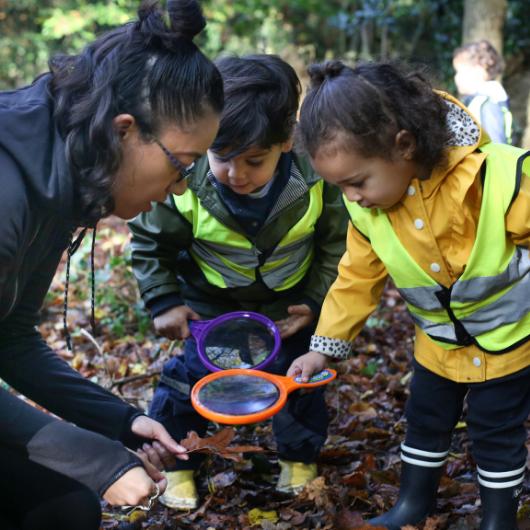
(371, 182)
(250, 170)
(146, 173)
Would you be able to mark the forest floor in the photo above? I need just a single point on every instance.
(359, 465)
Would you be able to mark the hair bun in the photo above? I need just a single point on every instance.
(185, 19)
(328, 70)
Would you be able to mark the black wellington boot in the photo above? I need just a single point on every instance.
(499, 507)
(417, 497)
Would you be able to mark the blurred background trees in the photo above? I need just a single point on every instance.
(302, 31)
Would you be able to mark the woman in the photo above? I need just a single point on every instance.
(107, 131)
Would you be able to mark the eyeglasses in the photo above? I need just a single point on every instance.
(184, 171)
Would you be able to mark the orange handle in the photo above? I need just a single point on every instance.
(318, 379)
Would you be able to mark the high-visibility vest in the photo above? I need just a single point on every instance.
(489, 305)
(475, 107)
(229, 259)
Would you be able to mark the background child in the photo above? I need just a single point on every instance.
(445, 214)
(477, 69)
(253, 196)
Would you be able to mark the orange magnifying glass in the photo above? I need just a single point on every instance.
(239, 396)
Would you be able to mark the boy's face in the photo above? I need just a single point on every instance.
(248, 171)
(468, 77)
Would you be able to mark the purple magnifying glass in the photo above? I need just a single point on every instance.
(240, 339)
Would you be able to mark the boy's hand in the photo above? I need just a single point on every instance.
(173, 323)
(152, 430)
(306, 365)
(299, 317)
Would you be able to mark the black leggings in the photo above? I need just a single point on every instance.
(36, 498)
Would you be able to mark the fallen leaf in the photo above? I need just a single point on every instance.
(256, 516)
(218, 444)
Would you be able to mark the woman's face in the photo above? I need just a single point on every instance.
(146, 173)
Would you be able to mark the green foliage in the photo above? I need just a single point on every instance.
(303, 31)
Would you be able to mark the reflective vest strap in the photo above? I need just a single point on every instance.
(228, 259)
(485, 286)
(442, 332)
(510, 307)
(220, 271)
(291, 271)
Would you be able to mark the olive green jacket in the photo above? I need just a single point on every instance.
(164, 268)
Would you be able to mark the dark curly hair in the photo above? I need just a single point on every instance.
(363, 109)
(262, 94)
(149, 68)
(481, 53)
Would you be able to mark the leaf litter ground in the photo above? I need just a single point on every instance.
(359, 465)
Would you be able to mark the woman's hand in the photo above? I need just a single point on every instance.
(306, 365)
(299, 317)
(157, 455)
(173, 323)
(152, 430)
(135, 487)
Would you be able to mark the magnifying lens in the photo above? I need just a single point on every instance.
(240, 396)
(239, 339)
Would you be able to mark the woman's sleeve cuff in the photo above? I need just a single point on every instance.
(337, 348)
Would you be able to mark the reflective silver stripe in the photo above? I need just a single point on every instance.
(297, 251)
(282, 252)
(422, 297)
(278, 275)
(231, 277)
(434, 329)
(244, 257)
(509, 308)
(482, 287)
(474, 288)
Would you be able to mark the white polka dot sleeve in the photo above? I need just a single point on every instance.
(337, 348)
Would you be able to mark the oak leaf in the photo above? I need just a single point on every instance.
(218, 444)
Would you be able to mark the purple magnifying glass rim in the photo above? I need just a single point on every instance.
(200, 329)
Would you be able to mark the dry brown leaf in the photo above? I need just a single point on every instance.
(218, 444)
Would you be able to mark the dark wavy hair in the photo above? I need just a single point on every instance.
(262, 94)
(363, 109)
(149, 68)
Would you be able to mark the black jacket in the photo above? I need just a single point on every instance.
(36, 222)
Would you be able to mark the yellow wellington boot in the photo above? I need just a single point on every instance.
(181, 492)
(294, 476)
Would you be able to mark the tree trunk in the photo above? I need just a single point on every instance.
(484, 19)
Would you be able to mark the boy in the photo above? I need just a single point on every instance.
(477, 66)
(256, 230)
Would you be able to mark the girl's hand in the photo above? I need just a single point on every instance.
(306, 365)
(133, 488)
(173, 323)
(148, 428)
(299, 317)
